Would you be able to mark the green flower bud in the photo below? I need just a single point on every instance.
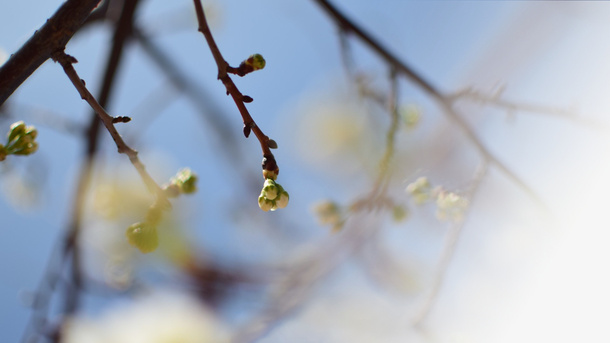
(420, 190)
(186, 181)
(143, 236)
(21, 139)
(270, 189)
(255, 61)
(282, 199)
(17, 129)
(27, 149)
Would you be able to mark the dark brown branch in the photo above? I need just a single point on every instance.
(50, 38)
(249, 123)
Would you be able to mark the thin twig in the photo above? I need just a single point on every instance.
(249, 123)
(66, 62)
(347, 25)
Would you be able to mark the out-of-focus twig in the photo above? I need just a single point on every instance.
(348, 26)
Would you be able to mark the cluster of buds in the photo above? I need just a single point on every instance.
(273, 196)
(420, 190)
(143, 235)
(21, 141)
(449, 205)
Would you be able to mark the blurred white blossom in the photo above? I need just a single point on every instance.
(156, 318)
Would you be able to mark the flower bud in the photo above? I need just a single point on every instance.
(420, 190)
(270, 189)
(282, 199)
(266, 204)
(27, 149)
(143, 236)
(17, 129)
(186, 181)
(451, 206)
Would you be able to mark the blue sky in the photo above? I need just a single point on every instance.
(547, 53)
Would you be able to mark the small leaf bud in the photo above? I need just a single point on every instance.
(255, 61)
(186, 181)
(252, 63)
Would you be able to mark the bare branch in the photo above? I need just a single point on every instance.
(66, 62)
(50, 38)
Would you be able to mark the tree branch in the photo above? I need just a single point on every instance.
(249, 123)
(50, 38)
(66, 62)
(348, 26)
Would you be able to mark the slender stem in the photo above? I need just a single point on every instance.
(66, 62)
(231, 88)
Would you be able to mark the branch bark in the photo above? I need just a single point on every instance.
(50, 38)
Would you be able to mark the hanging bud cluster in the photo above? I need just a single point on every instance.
(273, 196)
(21, 141)
(143, 235)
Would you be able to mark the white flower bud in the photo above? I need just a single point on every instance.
(265, 204)
(282, 199)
